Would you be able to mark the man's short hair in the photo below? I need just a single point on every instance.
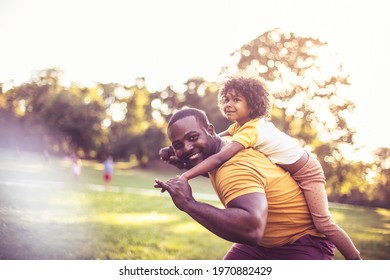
(199, 115)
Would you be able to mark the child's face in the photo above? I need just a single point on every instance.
(235, 107)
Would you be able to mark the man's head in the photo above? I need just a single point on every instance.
(193, 138)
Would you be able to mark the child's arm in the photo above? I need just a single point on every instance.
(224, 133)
(213, 161)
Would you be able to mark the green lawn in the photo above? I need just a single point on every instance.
(46, 215)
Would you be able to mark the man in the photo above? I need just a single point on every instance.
(265, 212)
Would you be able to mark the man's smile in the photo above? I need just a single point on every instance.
(193, 156)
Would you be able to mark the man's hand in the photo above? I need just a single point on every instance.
(179, 190)
(168, 155)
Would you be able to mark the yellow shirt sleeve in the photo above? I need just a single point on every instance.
(246, 135)
(232, 128)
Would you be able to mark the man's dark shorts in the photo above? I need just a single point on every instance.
(307, 247)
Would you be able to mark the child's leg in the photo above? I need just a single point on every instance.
(312, 181)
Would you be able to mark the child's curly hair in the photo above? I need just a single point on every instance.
(253, 91)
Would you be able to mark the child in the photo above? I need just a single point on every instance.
(76, 167)
(246, 102)
(108, 170)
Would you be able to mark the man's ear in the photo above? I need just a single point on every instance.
(211, 130)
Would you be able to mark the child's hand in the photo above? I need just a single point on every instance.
(166, 152)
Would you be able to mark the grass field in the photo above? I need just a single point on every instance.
(46, 215)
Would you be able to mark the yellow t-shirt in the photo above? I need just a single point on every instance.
(249, 171)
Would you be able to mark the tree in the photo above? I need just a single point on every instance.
(44, 115)
(74, 121)
(382, 178)
(127, 136)
(197, 93)
(22, 110)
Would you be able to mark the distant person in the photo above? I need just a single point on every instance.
(46, 156)
(245, 102)
(76, 167)
(108, 170)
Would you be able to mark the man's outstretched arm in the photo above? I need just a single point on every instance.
(243, 220)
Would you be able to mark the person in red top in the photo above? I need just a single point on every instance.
(108, 170)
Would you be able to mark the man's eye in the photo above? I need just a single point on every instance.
(193, 138)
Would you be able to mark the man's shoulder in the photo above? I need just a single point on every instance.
(249, 156)
(252, 156)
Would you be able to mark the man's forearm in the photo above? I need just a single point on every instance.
(232, 224)
(242, 221)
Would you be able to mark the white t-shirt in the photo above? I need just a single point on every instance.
(264, 136)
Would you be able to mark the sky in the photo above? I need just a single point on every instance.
(170, 41)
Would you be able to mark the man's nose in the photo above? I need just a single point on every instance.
(188, 146)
